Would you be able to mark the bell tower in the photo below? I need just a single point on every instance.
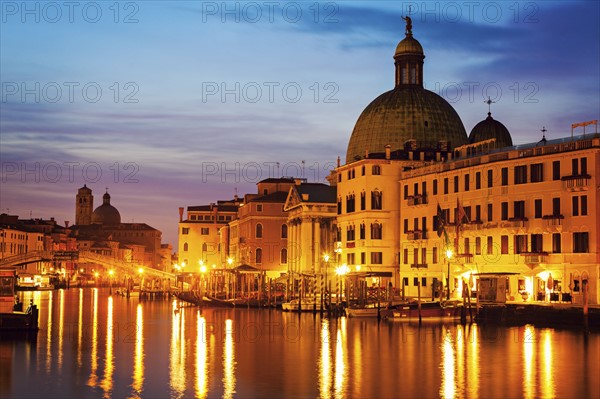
(84, 206)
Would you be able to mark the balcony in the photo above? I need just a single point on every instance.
(515, 222)
(416, 234)
(576, 182)
(419, 265)
(473, 225)
(534, 257)
(464, 258)
(417, 199)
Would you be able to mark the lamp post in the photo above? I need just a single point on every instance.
(449, 255)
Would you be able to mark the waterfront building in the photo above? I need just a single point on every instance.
(102, 232)
(259, 235)
(199, 237)
(404, 128)
(311, 219)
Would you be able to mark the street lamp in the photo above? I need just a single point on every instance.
(449, 255)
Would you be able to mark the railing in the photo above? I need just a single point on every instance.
(417, 199)
(417, 234)
(465, 257)
(553, 220)
(576, 182)
(419, 265)
(28, 257)
(534, 257)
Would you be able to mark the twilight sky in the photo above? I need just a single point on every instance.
(182, 103)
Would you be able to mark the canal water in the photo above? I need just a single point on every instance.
(92, 345)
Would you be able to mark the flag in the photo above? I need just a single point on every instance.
(440, 221)
(460, 214)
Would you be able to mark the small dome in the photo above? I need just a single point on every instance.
(489, 128)
(106, 213)
(409, 45)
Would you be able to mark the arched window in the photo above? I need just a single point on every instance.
(376, 199)
(204, 247)
(259, 232)
(376, 169)
(284, 231)
(376, 231)
(284, 255)
(258, 255)
(185, 246)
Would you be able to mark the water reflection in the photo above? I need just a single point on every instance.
(325, 361)
(548, 373)
(49, 333)
(333, 365)
(80, 328)
(528, 359)
(177, 352)
(93, 380)
(340, 360)
(448, 373)
(138, 361)
(229, 361)
(201, 358)
(109, 361)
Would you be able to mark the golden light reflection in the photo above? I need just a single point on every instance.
(138, 361)
(325, 363)
(461, 354)
(80, 328)
(547, 380)
(49, 334)
(177, 352)
(448, 387)
(473, 367)
(229, 361)
(528, 359)
(109, 366)
(201, 358)
(93, 380)
(340, 360)
(61, 324)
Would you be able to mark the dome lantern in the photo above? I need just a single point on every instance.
(408, 59)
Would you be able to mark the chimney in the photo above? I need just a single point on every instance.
(66, 224)
(388, 151)
(338, 161)
(180, 214)
(367, 153)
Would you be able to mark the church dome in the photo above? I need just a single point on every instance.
(106, 213)
(489, 128)
(408, 112)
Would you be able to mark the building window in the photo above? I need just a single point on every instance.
(581, 242)
(258, 207)
(259, 230)
(490, 245)
(575, 206)
(477, 245)
(423, 256)
(477, 180)
(504, 211)
(350, 203)
(406, 256)
(350, 233)
(204, 231)
(556, 206)
(362, 231)
(363, 201)
(339, 206)
(583, 205)
(445, 185)
(537, 243)
(423, 281)
(467, 245)
(504, 245)
(537, 172)
(520, 243)
(556, 243)
(556, 170)
(467, 177)
(537, 204)
(521, 174)
(406, 191)
(519, 210)
(435, 187)
(416, 281)
(204, 248)
(580, 205)
(258, 255)
(376, 199)
(455, 184)
(185, 247)
(376, 258)
(350, 258)
(284, 230)
(434, 255)
(283, 256)
(338, 235)
(505, 176)
(574, 166)
(478, 213)
(185, 230)
(424, 188)
(376, 231)
(339, 177)
(583, 166)
(490, 178)
(193, 217)
(376, 170)
(490, 212)
(363, 258)
(405, 226)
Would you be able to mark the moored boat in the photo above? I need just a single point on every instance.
(431, 311)
(12, 317)
(307, 304)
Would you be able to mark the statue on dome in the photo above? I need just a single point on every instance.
(408, 25)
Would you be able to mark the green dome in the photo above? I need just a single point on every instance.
(405, 113)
